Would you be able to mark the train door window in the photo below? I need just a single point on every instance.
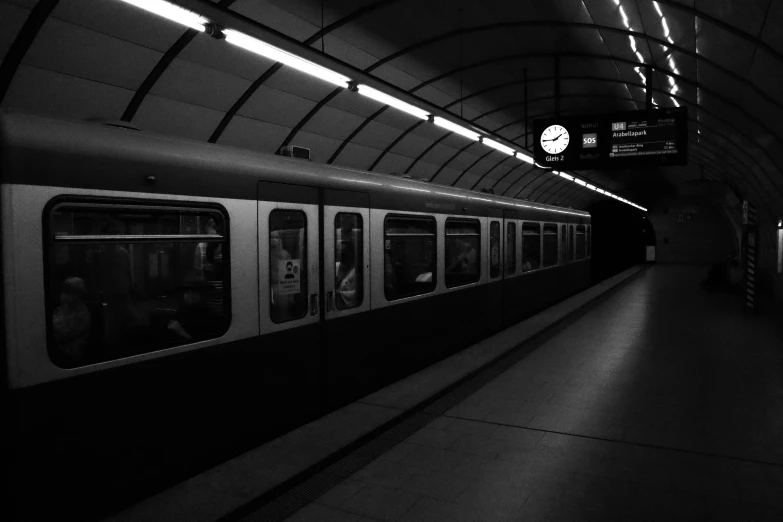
(588, 244)
(126, 279)
(349, 262)
(463, 252)
(571, 242)
(531, 246)
(550, 244)
(580, 242)
(511, 248)
(563, 254)
(494, 249)
(287, 265)
(409, 256)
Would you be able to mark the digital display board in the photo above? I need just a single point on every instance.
(619, 140)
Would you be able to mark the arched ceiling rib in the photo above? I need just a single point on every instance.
(70, 58)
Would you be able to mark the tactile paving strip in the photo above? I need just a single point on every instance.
(291, 496)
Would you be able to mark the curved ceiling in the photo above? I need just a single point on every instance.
(722, 59)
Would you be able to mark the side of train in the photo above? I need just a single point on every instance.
(169, 304)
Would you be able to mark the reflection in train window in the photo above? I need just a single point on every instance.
(580, 241)
(128, 279)
(587, 240)
(571, 242)
(494, 249)
(511, 248)
(550, 244)
(531, 246)
(409, 256)
(463, 252)
(348, 261)
(287, 265)
(563, 253)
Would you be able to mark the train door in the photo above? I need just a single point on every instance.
(511, 246)
(289, 265)
(494, 305)
(346, 288)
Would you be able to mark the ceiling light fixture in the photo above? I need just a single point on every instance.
(453, 127)
(384, 98)
(583, 183)
(625, 17)
(525, 158)
(172, 12)
(657, 8)
(498, 146)
(566, 176)
(273, 53)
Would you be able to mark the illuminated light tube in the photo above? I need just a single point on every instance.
(391, 101)
(591, 187)
(625, 18)
(670, 39)
(498, 146)
(526, 158)
(453, 127)
(671, 80)
(665, 27)
(675, 102)
(633, 43)
(172, 12)
(273, 53)
(657, 8)
(583, 183)
(641, 58)
(566, 176)
(675, 89)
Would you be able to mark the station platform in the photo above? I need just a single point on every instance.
(642, 398)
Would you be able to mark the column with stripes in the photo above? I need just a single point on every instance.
(750, 222)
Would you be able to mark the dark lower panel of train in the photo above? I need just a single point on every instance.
(88, 446)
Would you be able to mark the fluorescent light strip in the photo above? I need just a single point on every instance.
(453, 127)
(498, 146)
(524, 157)
(566, 176)
(665, 27)
(583, 183)
(273, 53)
(384, 98)
(172, 12)
(633, 43)
(657, 8)
(625, 18)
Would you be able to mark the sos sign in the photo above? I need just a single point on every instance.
(590, 141)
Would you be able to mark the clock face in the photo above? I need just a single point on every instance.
(554, 139)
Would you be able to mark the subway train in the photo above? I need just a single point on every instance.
(168, 304)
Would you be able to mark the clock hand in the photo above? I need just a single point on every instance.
(555, 139)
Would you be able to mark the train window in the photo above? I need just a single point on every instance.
(562, 257)
(571, 243)
(531, 246)
(580, 241)
(126, 279)
(463, 247)
(287, 265)
(409, 256)
(349, 262)
(494, 249)
(511, 248)
(588, 244)
(550, 244)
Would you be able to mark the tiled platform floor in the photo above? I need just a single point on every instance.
(662, 403)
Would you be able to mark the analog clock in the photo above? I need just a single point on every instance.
(554, 139)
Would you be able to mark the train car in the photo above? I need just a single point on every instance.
(169, 304)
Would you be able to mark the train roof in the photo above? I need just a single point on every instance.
(43, 151)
